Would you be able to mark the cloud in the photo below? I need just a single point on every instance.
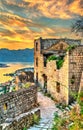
(23, 20)
(76, 8)
(57, 8)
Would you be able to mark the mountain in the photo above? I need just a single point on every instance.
(21, 55)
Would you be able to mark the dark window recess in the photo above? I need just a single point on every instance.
(5, 106)
(73, 79)
(58, 87)
(36, 77)
(37, 62)
(61, 47)
(36, 46)
(45, 62)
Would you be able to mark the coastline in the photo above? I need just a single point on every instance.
(13, 66)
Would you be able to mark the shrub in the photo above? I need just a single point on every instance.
(59, 63)
(58, 122)
(80, 101)
(36, 119)
(69, 48)
(27, 85)
(51, 58)
(24, 128)
(59, 60)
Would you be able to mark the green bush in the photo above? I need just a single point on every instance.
(59, 63)
(59, 60)
(24, 128)
(51, 58)
(36, 119)
(80, 101)
(27, 85)
(58, 122)
(69, 48)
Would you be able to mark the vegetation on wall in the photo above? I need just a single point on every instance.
(69, 48)
(59, 60)
(50, 58)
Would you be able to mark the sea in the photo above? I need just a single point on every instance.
(12, 67)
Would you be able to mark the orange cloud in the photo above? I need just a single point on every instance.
(56, 8)
(76, 8)
(19, 30)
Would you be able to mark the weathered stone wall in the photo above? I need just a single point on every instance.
(22, 121)
(15, 103)
(54, 75)
(75, 68)
(64, 80)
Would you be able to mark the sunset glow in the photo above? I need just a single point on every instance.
(21, 21)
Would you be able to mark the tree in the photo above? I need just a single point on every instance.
(77, 27)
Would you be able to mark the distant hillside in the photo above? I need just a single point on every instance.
(21, 55)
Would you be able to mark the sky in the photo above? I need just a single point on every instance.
(22, 21)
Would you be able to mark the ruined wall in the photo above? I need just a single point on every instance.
(15, 103)
(76, 68)
(64, 80)
(54, 75)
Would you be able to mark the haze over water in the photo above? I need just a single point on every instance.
(12, 68)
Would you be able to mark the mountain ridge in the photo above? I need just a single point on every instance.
(20, 55)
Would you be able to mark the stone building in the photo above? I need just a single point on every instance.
(62, 76)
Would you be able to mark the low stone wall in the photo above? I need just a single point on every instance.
(22, 121)
(15, 103)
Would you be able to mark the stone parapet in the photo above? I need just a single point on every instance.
(15, 103)
(22, 121)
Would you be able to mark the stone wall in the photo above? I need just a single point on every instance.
(22, 121)
(75, 68)
(15, 103)
(54, 75)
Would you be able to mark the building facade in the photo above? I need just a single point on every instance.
(58, 67)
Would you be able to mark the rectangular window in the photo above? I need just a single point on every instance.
(45, 61)
(37, 62)
(36, 46)
(58, 87)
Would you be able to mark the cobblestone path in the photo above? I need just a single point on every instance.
(47, 108)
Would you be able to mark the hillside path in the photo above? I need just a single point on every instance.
(47, 108)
